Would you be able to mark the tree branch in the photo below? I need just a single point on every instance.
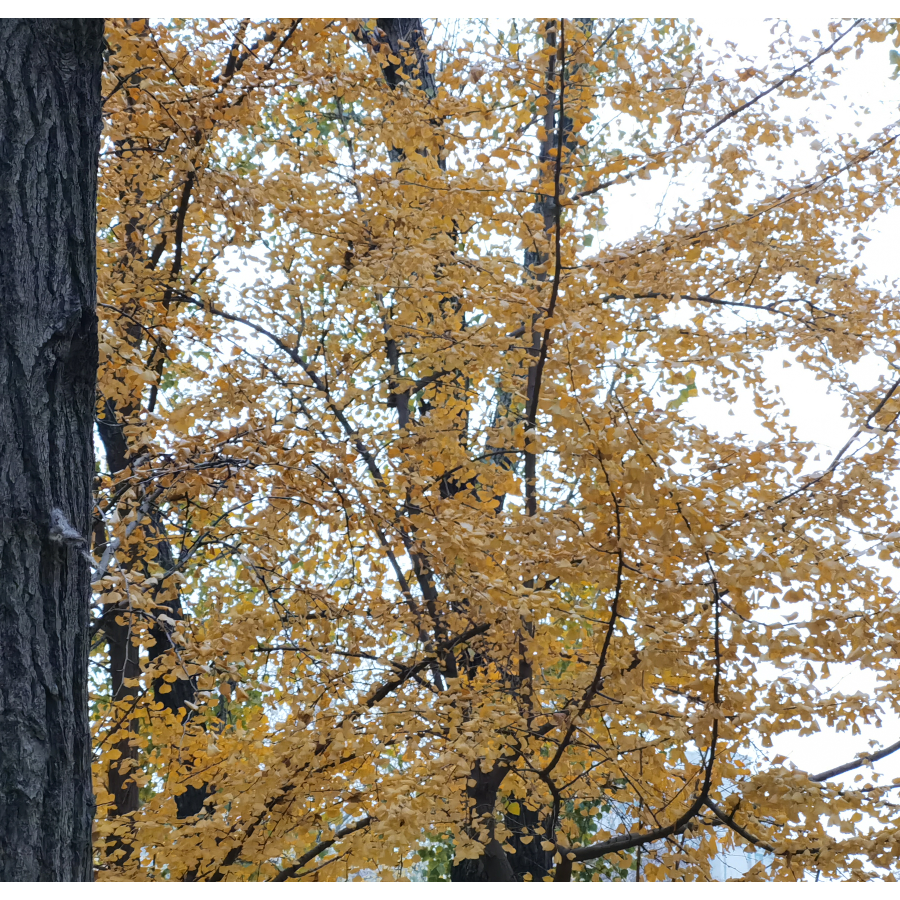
(321, 847)
(624, 842)
(739, 829)
(862, 760)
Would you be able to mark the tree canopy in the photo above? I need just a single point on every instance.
(408, 545)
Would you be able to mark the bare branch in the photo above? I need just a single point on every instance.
(321, 847)
(863, 759)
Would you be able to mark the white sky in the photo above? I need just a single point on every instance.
(816, 414)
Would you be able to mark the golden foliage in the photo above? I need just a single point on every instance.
(405, 531)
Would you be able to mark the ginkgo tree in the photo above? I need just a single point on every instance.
(408, 544)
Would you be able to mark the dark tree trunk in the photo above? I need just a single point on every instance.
(124, 665)
(50, 115)
(118, 621)
(124, 657)
(407, 41)
(529, 858)
(494, 864)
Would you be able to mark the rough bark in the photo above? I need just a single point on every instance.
(50, 116)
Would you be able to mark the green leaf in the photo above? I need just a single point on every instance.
(688, 391)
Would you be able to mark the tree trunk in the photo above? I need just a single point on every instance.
(50, 117)
(407, 41)
(119, 621)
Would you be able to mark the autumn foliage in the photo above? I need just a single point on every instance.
(409, 545)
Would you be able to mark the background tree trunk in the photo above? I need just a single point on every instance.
(119, 621)
(50, 117)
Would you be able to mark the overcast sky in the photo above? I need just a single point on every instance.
(816, 414)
